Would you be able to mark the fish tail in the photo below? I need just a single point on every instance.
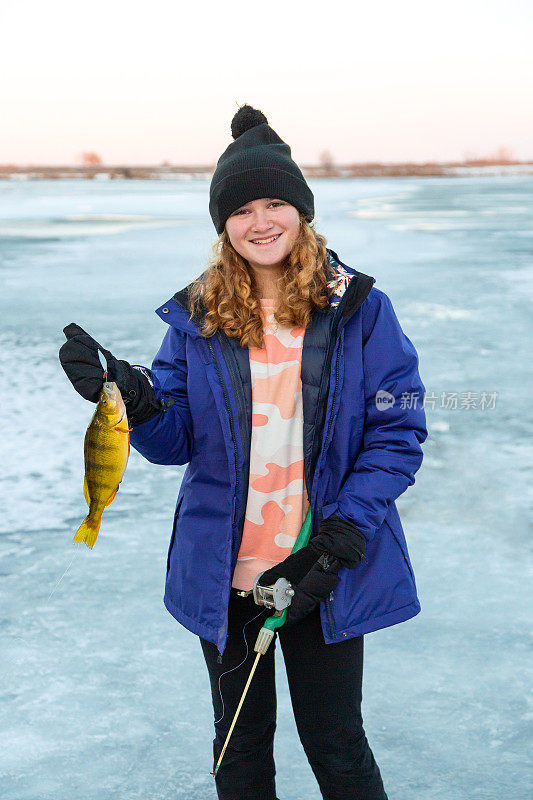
(88, 531)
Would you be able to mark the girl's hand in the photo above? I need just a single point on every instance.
(79, 358)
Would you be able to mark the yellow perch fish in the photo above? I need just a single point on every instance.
(106, 449)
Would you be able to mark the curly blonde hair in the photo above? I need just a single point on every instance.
(229, 295)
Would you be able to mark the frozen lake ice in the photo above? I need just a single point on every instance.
(102, 693)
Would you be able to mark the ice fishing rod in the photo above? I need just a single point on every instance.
(278, 597)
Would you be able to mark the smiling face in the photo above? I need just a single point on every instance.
(264, 231)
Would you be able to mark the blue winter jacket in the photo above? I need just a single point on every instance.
(363, 426)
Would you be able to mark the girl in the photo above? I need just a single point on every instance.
(284, 382)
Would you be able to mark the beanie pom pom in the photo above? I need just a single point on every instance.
(246, 118)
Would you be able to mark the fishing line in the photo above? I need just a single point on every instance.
(238, 665)
(65, 572)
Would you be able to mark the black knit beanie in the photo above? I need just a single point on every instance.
(257, 164)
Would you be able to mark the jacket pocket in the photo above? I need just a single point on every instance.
(400, 541)
(176, 516)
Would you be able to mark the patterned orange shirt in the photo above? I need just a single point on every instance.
(277, 498)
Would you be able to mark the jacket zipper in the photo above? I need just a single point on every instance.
(228, 408)
(328, 601)
(238, 400)
(334, 398)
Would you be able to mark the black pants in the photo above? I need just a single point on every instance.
(325, 682)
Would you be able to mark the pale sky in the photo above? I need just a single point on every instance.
(140, 83)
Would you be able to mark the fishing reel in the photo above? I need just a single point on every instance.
(278, 597)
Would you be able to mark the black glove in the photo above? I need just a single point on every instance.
(314, 587)
(313, 570)
(79, 358)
